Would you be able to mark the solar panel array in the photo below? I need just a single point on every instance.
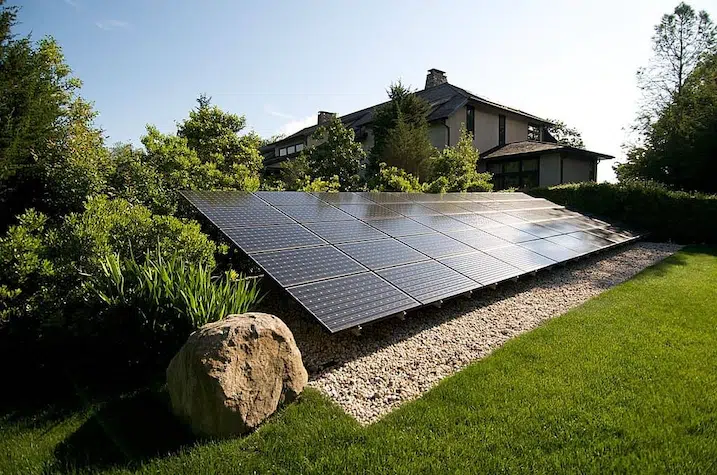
(352, 258)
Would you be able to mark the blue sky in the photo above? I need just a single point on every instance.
(278, 63)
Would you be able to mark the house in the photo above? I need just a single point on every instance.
(515, 146)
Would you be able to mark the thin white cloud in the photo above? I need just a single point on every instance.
(296, 125)
(72, 3)
(109, 25)
(271, 111)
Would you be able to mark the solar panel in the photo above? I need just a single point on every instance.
(386, 197)
(272, 238)
(482, 268)
(443, 223)
(314, 213)
(342, 197)
(351, 258)
(481, 221)
(428, 281)
(411, 209)
(436, 245)
(400, 227)
(550, 250)
(520, 257)
(510, 234)
(368, 211)
(447, 208)
(298, 266)
(287, 198)
(382, 253)
(347, 231)
(254, 215)
(350, 301)
(478, 239)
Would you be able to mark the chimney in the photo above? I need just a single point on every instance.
(435, 77)
(325, 117)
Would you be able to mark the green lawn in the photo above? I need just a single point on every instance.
(625, 383)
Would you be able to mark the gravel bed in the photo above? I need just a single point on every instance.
(394, 361)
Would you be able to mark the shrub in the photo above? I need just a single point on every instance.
(42, 266)
(454, 169)
(394, 179)
(647, 206)
(156, 302)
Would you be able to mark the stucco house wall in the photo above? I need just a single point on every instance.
(550, 169)
(576, 170)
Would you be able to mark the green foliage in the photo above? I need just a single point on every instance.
(394, 179)
(154, 176)
(408, 147)
(400, 129)
(44, 264)
(214, 135)
(52, 155)
(681, 40)
(665, 214)
(295, 172)
(319, 184)
(565, 135)
(171, 293)
(679, 146)
(337, 154)
(454, 169)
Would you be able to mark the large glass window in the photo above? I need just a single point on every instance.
(501, 130)
(516, 173)
(471, 120)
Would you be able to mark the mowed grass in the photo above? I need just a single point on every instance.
(626, 383)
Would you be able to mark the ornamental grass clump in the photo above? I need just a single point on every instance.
(166, 289)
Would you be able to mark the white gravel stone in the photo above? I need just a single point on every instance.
(394, 361)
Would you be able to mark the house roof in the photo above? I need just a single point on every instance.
(444, 100)
(531, 147)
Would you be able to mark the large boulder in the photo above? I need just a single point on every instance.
(232, 374)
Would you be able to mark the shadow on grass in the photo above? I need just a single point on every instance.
(124, 433)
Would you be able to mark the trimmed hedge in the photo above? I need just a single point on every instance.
(650, 207)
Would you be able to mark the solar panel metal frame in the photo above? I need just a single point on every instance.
(301, 240)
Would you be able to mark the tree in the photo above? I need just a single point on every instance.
(337, 154)
(681, 41)
(565, 135)
(51, 155)
(455, 168)
(215, 136)
(401, 121)
(679, 146)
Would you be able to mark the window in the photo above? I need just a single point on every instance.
(501, 130)
(511, 167)
(291, 149)
(534, 132)
(471, 120)
(516, 173)
(530, 165)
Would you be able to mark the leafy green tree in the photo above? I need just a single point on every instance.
(216, 138)
(206, 153)
(679, 147)
(337, 154)
(681, 41)
(402, 121)
(565, 135)
(51, 155)
(455, 168)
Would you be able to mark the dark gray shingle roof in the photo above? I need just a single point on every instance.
(530, 147)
